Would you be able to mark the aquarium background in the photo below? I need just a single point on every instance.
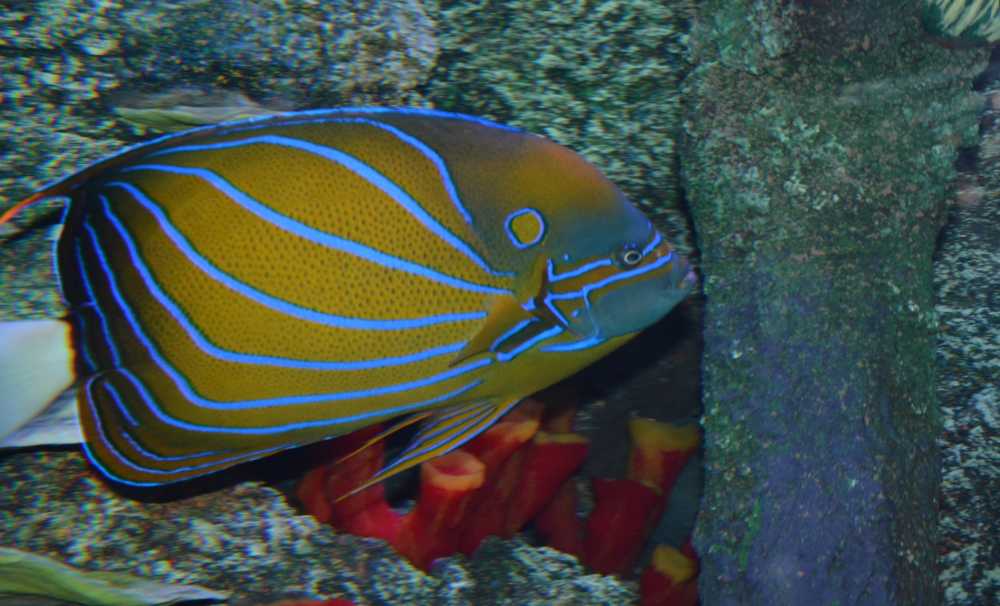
(830, 167)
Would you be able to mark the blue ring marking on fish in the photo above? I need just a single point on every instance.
(542, 336)
(554, 277)
(314, 235)
(542, 228)
(359, 168)
(215, 351)
(184, 386)
(108, 387)
(585, 343)
(510, 332)
(275, 303)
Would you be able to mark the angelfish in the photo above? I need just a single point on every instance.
(240, 289)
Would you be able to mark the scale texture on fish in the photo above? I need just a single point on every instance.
(240, 289)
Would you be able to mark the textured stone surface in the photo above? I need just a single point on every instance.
(967, 280)
(246, 539)
(68, 62)
(819, 147)
(601, 77)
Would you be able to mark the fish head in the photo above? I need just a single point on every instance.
(628, 287)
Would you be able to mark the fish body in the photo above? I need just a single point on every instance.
(241, 289)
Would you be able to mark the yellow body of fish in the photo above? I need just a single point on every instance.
(242, 289)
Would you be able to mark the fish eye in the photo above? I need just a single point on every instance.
(628, 256)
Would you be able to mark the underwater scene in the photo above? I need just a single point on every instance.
(500, 302)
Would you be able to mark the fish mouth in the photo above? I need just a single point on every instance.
(690, 281)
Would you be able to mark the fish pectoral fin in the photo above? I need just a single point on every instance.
(442, 432)
(506, 317)
(392, 429)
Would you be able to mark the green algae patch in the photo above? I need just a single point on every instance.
(818, 154)
(23, 573)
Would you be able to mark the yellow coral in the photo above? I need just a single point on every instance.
(971, 20)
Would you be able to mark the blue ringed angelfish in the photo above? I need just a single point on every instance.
(245, 288)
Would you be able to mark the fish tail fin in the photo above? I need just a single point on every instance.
(36, 367)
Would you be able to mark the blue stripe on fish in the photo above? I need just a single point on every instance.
(314, 235)
(275, 303)
(110, 447)
(431, 155)
(509, 333)
(657, 238)
(196, 399)
(535, 340)
(585, 343)
(109, 343)
(579, 271)
(440, 424)
(215, 351)
(110, 388)
(356, 166)
(269, 430)
(307, 117)
(618, 277)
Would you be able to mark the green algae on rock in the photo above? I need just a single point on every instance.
(185, 107)
(23, 574)
(817, 166)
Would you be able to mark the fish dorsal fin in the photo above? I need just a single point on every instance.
(512, 320)
(442, 432)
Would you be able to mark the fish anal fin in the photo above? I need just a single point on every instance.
(442, 432)
(506, 316)
(382, 435)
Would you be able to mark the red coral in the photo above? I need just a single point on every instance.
(493, 485)
(514, 473)
(670, 579)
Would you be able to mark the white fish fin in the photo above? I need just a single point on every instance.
(36, 366)
(57, 424)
